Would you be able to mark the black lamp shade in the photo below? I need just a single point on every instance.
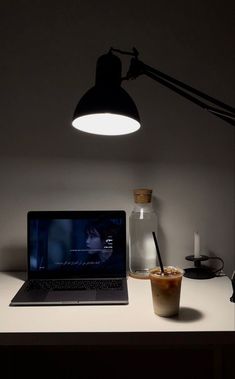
(107, 108)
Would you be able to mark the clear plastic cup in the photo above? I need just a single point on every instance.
(166, 290)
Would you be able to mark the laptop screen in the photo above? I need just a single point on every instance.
(76, 244)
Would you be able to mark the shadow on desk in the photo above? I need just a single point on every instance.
(73, 363)
(187, 314)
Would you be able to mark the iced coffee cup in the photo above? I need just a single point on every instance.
(166, 290)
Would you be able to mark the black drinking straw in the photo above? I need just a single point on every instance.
(158, 252)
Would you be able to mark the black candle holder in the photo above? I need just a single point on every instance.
(199, 271)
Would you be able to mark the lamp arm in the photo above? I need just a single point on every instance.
(226, 112)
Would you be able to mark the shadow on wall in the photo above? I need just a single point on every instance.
(13, 257)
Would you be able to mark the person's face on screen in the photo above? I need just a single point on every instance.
(93, 241)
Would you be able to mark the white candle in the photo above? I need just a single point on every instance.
(196, 245)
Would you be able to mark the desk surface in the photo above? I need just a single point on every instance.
(205, 307)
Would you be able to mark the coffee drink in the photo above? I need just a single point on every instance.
(166, 290)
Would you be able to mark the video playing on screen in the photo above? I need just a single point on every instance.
(76, 245)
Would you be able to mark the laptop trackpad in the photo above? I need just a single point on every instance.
(66, 296)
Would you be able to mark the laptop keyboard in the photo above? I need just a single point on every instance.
(60, 285)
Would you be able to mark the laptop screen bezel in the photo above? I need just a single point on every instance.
(54, 215)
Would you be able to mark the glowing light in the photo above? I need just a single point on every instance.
(106, 124)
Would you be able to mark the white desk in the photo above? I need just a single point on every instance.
(129, 334)
(205, 307)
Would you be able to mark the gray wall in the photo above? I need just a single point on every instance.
(49, 52)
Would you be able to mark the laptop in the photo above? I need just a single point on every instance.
(75, 258)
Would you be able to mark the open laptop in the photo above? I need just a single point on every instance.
(75, 258)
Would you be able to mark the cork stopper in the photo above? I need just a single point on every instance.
(142, 195)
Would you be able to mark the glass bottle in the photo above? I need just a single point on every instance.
(142, 222)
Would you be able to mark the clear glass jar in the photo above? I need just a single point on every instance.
(142, 222)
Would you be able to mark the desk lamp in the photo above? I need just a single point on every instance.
(107, 109)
